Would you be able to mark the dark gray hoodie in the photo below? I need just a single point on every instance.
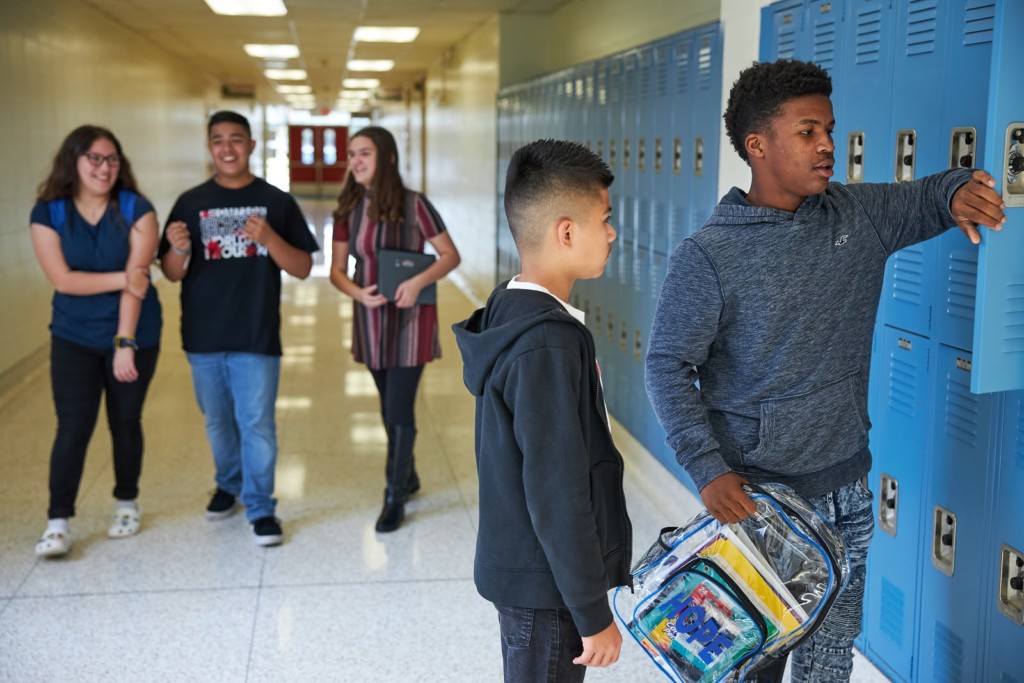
(773, 312)
(553, 525)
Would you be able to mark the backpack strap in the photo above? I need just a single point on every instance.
(59, 209)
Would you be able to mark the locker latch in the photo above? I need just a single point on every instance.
(677, 156)
(623, 336)
(963, 146)
(625, 153)
(600, 149)
(888, 504)
(611, 153)
(855, 158)
(597, 319)
(638, 347)
(641, 154)
(698, 156)
(1011, 584)
(657, 155)
(1013, 165)
(611, 327)
(905, 141)
(944, 540)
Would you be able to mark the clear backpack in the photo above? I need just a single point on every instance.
(714, 602)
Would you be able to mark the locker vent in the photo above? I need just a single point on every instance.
(903, 394)
(891, 615)
(1020, 433)
(615, 81)
(949, 654)
(683, 69)
(680, 228)
(922, 21)
(661, 229)
(602, 84)
(961, 414)
(979, 22)
(961, 284)
(1013, 315)
(646, 76)
(908, 276)
(661, 58)
(787, 41)
(824, 44)
(704, 67)
(869, 35)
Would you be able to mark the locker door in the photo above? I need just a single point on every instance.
(1002, 559)
(899, 445)
(955, 519)
(707, 73)
(680, 149)
(783, 38)
(964, 122)
(823, 20)
(660, 145)
(999, 313)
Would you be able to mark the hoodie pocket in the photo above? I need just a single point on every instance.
(811, 431)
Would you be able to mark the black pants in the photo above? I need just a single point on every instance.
(80, 376)
(397, 388)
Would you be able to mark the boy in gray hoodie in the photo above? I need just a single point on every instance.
(771, 306)
(554, 535)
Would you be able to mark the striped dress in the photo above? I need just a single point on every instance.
(388, 336)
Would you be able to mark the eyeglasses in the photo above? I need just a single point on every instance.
(97, 159)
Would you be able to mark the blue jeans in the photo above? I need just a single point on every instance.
(539, 645)
(236, 393)
(827, 656)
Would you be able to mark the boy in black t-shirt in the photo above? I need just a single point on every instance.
(227, 241)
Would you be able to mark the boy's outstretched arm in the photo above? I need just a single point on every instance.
(601, 649)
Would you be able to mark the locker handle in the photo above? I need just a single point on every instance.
(1017, 583)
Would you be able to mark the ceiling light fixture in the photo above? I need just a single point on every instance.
(271, 51)
(360, 82)
(386, 34)
(294, 89)
(371, 64)
(355, 95)
(285, 74)
(248, 8)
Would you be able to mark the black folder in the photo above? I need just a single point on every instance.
(395, 267)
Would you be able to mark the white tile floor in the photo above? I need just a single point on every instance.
(191, 600)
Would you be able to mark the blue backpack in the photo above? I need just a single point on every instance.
(125, 202)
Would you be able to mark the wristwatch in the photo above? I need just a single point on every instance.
(125, 342)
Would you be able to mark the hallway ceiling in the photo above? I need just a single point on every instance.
(322, 29)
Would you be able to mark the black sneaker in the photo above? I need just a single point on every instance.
(268, 531)
(222, 505)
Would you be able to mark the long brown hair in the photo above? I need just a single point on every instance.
(63, 181)
(386, 188)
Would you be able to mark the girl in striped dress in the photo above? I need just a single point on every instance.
(394, 338)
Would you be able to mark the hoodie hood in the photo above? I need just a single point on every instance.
(734, 209)
(508, 314)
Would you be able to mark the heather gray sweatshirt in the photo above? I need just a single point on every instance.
(773, 313)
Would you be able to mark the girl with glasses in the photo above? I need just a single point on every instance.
(94, 236)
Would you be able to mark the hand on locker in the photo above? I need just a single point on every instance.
(976, 203)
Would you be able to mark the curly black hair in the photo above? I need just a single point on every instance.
(758, 94)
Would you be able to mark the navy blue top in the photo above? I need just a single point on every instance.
(102, 248)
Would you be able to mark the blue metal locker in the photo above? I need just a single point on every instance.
(1003, 559)
(899, 445)
(999, 312)
(706, 69)
(660, 147)
(964, 121)
(680, 150)
(823, 29)
(957, 505)
(781, 31)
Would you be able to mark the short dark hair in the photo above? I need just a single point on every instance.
(760, 91)
(545, 171)
(225, 116)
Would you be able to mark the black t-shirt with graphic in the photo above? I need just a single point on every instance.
(231, 294)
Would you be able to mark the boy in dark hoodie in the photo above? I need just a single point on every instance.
(554, 535)
(772, 308)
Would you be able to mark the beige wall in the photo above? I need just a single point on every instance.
(64, 65)
(461, 142)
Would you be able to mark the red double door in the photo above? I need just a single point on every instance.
(318, 159)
